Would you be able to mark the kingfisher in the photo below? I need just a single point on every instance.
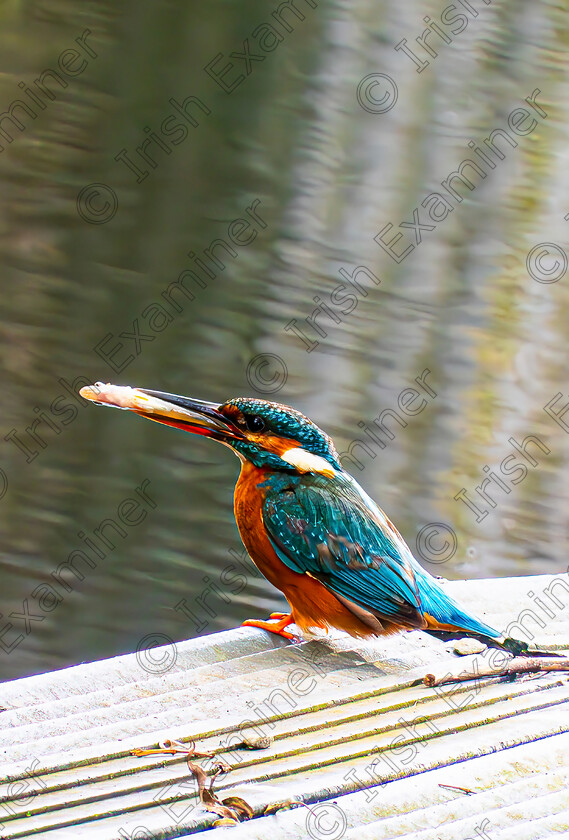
(309, 527)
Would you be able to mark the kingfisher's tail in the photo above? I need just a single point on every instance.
(507, 643)
(447, 620)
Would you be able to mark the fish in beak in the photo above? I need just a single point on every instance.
(197, 416)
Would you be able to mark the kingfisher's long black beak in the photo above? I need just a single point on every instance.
(197, 416)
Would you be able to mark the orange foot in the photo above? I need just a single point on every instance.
(276, 627)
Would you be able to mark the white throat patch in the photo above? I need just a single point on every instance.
(306, 461)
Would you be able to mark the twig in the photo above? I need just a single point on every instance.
(464, 790)
(517, 665)
(173, 748)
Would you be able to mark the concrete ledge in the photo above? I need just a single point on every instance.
(354, 736)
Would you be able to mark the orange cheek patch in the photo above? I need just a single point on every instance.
(292, 452)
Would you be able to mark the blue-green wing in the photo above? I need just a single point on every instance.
(328, 530)
(335, 532)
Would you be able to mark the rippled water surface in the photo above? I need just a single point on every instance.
(430, 358)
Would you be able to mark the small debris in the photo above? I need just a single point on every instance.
(464, 790)
(261, 743)
(467, 647)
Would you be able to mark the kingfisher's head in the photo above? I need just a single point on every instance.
(265, 433)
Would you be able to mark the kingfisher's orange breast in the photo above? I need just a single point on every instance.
(311, 603)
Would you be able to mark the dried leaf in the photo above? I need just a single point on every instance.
(234, 808)
(221, 810)
(224, 821)
(199, 774)
(238, 804)
(218, 769)
(285, 805)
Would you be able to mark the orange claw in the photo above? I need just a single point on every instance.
(276, 627)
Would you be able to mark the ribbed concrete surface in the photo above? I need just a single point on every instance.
(355, 737)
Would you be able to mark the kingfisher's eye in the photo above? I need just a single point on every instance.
(254, 423)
